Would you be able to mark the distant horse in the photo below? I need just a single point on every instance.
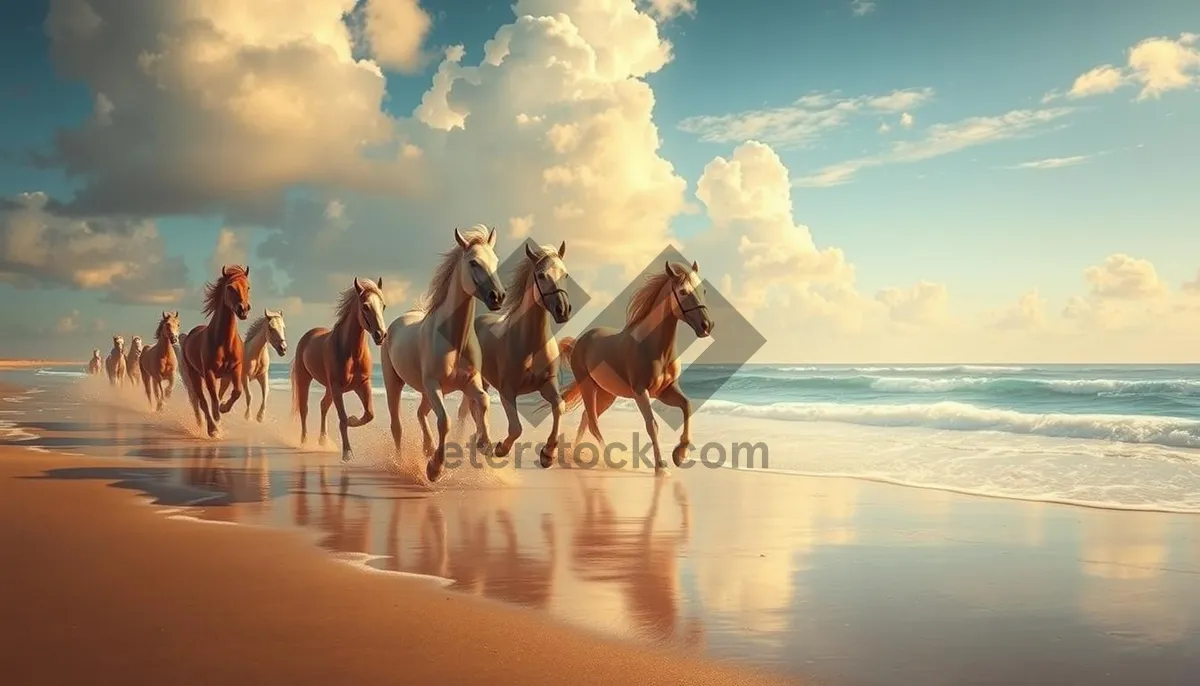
(433, 347)
(133, 367)
(213, 351)
(256, 359)
(340, 360)
(94, 364)
(520, 354)
(114, 364)
(639, 361)
(159, 361)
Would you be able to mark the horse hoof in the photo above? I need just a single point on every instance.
(679, 454)
(347, 455)
(501, 450)
(433, 470)
(260, 419)
(546, 457)
(323, 441)
(661, 470)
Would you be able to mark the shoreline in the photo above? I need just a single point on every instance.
(29, 364)
(130, 587)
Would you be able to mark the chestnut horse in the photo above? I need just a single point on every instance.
(158, 362)
(520, 353)
(639, 361)
(213, 351)
(340, 360)
(433, 347)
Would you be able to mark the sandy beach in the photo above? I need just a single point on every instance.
(122, 523)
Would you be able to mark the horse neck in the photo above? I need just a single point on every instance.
(657, 329)
(533, 320)
(255, 345)
(349, 333)
(456, 313)
(224, 324)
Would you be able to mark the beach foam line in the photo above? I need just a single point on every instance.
(1175, 432)
(1048, 498)
(362, 562)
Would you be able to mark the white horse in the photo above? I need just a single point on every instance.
(433, 347)
(256, 357)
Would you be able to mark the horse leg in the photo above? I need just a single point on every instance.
(264, 390)
(239, 387)
(363, 391)
(191, 383)
(393, 384)
(423, 411)
(549, 391)
(159, 394)
(508, 400)
(326, 403)
(672, 396)
(434, 395)
(146, 385)
(213, 410)
(339, 403)
(642, 398)
(475, 395)
(246, 385)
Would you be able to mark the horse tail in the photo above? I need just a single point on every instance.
(572, 395)
(293, 370)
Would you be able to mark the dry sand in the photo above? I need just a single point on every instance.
(97, 589)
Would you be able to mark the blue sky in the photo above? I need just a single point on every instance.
(968, 219)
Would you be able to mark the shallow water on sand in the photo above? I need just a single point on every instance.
(847, 581)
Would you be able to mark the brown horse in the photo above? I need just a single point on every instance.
(114, 364)
(213, 351)
(158, 362)
(95, 363)
(340, 360)
(133, 367)
(639, 361)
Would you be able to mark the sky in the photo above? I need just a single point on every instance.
(887, 181)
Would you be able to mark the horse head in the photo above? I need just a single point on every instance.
(237, 289)
(168, 326)
(549, 276)
(95, 353)
(118, 342)
(371, 305)
(689, 298)
(276, 331)
(135, 345)
(478, 266)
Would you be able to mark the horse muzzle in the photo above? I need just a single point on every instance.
(242, 311)
(379, 336)
(281, 349)
(494, 299)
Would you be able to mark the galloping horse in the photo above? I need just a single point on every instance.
(214, 350)
(639, 361)
(520, 354)
(433, 347)
(340, 360)
(256, 361)
(133, 367)
(158, 362)
(94, 364)
(114, 364)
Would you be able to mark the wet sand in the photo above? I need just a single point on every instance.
(841, 581)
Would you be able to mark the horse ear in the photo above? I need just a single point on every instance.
(379, 282)
(246, 271)
(695, 267)
(458, 237)
(671, 269)
(177, 314)
(358, 285)
(266, 313)
(529, 253)
(562, 250)
(491, 239)
(165, 315)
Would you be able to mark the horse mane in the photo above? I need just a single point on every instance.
(256, 327)
(347, 301)
(521, 277)
(439, 285)
(643, 301)
(212, 291)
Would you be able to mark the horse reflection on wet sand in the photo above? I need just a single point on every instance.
(641, 561)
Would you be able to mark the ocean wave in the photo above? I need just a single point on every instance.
(1000, 386)
(1173, 432)
(58, 372)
